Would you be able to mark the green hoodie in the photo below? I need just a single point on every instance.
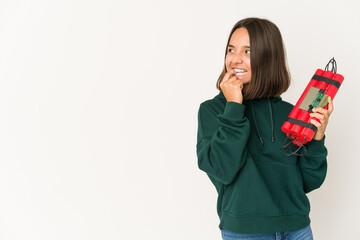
(260, 190)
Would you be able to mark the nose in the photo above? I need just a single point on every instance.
(238, 58)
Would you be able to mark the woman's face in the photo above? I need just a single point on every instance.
(238, 55)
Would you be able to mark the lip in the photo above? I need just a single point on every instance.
(241, 73)
(237, 68)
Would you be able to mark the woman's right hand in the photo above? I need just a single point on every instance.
(232, 87)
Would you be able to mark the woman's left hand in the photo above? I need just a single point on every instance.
(323, 115)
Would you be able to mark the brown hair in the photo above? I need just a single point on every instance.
(269, 73)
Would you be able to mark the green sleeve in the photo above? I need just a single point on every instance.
(221, 141)
(313, 164)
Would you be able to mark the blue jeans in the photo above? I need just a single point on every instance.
(302, 234)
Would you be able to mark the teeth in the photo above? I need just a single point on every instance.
(240, 75)
(239, 70)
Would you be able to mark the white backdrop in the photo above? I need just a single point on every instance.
(99, 100)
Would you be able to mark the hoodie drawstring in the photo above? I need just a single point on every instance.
(256, 123)
(272, 121)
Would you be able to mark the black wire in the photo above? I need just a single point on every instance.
(333, 66)
(288, 146)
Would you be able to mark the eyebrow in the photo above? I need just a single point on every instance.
(234, 47)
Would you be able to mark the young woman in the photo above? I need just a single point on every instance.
(261, 191)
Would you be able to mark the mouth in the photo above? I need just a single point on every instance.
(239, 72)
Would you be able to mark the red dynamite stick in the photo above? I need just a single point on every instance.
(307, 132)
(297, 130)
(286, 127)
(331, 92)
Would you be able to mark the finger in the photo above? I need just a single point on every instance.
(231, 81)
(228, 74)
(237, 84)
(235, 80)
(320, 110)
(325, 115)
(331, 106)
(316, 123)
(317, 115)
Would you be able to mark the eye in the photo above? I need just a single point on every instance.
(230, 50)
(247, 51)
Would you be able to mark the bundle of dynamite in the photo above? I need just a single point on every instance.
(298, 128)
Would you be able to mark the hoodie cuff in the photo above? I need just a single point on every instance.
(316, 147)
(234, 110)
